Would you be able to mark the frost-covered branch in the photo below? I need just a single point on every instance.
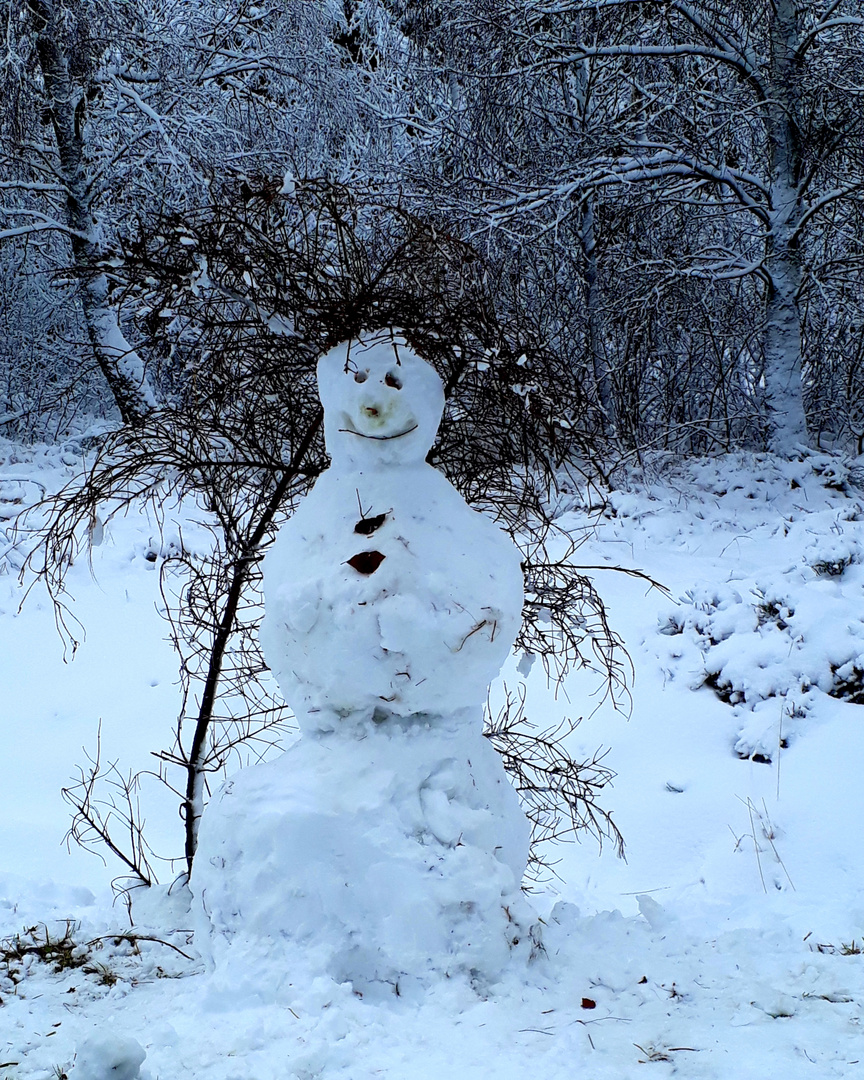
(812, 37)
(634, 169)
(826, 199)
(28, 185)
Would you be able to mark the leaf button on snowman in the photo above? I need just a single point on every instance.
(386, 595)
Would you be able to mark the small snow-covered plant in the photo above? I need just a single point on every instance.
(768, 649)
(772, 609)
(832, 567)
(849, 682)
(837, 475)
(59, 950)
(62, 949)
(833, 556)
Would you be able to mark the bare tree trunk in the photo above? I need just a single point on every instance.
(578, 113)
(782, 339)
(599, 362)
(120, 363)
(197, 761)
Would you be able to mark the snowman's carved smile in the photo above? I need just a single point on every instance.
(379, 438)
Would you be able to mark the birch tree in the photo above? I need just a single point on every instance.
(64, 68)
(777, 62)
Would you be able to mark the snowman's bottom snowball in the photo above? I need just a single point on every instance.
(392, 854)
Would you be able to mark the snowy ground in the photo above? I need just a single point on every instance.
(730, 944)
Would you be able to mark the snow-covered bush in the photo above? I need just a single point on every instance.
(791, 633)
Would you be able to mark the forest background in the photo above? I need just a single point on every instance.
(618, 228)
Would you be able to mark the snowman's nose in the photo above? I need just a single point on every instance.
(370, 410)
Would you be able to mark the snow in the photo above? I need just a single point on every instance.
(109, 1057)
(728, 946)
(387, 862)
(382, 402)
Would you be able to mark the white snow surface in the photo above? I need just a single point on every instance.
(729, 946)
(106, 1056)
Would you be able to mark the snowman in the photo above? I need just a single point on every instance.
(386, 846)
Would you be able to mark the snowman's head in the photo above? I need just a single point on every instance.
(382, 403)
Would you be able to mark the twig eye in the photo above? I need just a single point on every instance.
(391, 380)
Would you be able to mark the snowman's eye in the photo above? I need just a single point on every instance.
(391, 380)
(360, 376)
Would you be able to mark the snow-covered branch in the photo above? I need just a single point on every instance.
(636, 170)
(825, 199)
(669, 51)
(45, 225)
(828, 24)
(28, 185)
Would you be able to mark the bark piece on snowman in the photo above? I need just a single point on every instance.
(368, 525)
(366, 562)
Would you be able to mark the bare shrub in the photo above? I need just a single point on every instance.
(237, 303)
(559, 794)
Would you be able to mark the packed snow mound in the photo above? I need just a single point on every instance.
(382, 402)
(387, 595)
(393, 858)
(106, 1056)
